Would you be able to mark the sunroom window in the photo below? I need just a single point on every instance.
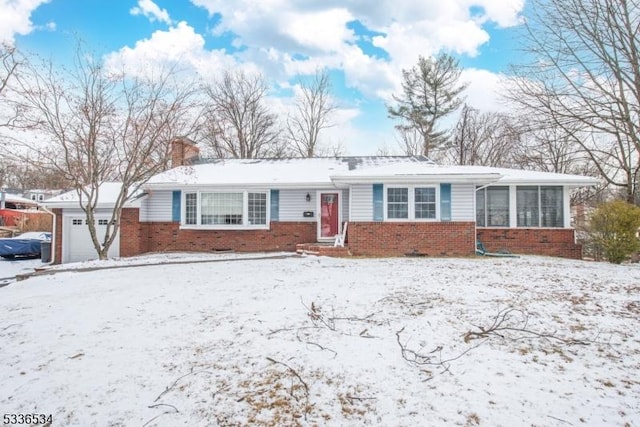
(540, 206)
(551, 207)
(225, 209)
(527, 202)
(492, 207)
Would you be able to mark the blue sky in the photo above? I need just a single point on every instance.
(364, 47)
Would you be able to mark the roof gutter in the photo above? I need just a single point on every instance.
(239, 185)
(486, 178)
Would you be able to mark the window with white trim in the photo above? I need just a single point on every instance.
(230, 209)
(425, 202)
(492, 207)
(397, 203)
(528, 206)
(411, 203)
(551, 207)
(191, 208)
(257, 209)
(221, 208)
(540, 206)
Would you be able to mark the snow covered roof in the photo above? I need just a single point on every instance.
(526, 177)
(330, 171)
(291, 172)
(107, 197)
(19, 199)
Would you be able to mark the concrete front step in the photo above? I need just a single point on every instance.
(321, 249)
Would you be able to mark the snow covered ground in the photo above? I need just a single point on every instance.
(322, 341)
(11, 267)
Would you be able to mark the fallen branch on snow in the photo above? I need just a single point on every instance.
(433, 358)
(515, 320)
(175, 411)
(295, 373)
(319, 318)
(335, 353)
(168, 389)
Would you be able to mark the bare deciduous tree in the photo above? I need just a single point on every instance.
(9, 64)
(409, 140)
(584, 79)
(238, 123)
(8, 70)
(25, 175)
(483, 138)
(549, 149)
(430, 92)
(101, 127)
(312, 114)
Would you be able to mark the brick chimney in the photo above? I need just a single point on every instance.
(183, 152)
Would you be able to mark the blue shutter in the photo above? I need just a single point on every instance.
(175, 207)
(275, 205)
(445, 202)
(378, 202)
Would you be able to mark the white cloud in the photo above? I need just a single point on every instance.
(179, 45)
(484, 90)
(324, 31)
(505, 13)
(151, 11)
(15, 18)
(284, 38)
(318, 32)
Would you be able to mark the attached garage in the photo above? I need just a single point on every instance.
(76, 239)
(72, 240)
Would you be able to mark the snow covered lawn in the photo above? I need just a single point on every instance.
(11, 267)
(322, 341)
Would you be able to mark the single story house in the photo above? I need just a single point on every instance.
(390, 206)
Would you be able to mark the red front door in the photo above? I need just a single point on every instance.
(328, 215)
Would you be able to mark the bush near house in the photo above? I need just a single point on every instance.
(614, 228)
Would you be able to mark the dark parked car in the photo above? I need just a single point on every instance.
(25, 245)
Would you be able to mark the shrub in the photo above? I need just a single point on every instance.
(614, 227)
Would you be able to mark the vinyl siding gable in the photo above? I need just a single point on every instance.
(361, 203)
(157, 207)
(462, 202)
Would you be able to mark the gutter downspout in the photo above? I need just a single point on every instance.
(484, 186)
(53, 235)
(474, 210)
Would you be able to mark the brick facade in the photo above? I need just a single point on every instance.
(133, 233)
(558, 242)
(407, 238)
(57, 238)
(140, 237)
(363, 238)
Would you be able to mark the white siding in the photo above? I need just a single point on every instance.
(463, 202)
(293, 203)
(345, 205)
(566, 200)
(157, 207)
(361, 203)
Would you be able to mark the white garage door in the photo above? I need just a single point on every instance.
(77, 244)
